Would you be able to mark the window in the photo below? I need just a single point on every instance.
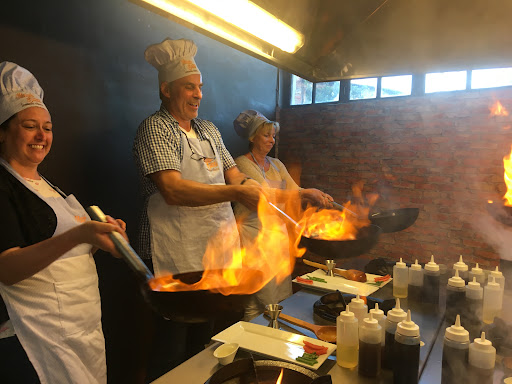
(445, 81)
(326, 92)
(302, 91)
(363, 88)
(490, 78)
(392, 86)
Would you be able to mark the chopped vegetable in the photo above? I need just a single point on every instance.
(306, 360)
(313, 348)
(383, 278)
(319, 279)
(305, 281)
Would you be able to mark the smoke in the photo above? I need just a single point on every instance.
(496, 234)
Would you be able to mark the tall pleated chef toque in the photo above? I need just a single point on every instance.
(248, 122)
(173, 59)
(19, 90)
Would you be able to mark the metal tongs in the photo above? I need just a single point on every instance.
(123, 247)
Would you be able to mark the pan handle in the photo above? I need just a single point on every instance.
(124, 248)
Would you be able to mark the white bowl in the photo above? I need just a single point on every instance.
(226, 353)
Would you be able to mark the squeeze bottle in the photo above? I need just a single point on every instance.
(406, 352)
(370, 335)
(415, 282)
(455, 354)
(477, 272)
(462, 267)
(431, 282)
(400, 279)
(493, 301)
(359, 308)
(378, 314)
(394, 316)
(455, 297)
(472, 315)
(347, 339)
(482, 358)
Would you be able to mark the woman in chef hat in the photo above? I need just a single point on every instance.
(48, 277)
(275, 179)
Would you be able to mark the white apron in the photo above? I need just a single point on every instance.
(179, 234)
(56, 313)
(272, 293)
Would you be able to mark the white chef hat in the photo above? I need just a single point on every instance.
(248, 122)
(19, 90)
(173, 59)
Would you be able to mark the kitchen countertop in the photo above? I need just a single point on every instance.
(199, 368)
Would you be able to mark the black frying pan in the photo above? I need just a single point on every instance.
(191, 304)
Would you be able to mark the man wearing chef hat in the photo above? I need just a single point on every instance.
(188, 176)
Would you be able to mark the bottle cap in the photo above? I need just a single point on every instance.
(357, 302)
(370, 322)
(408, 327)
(346, 315)
(377, 312)
(496, 272)
(482, 344)
(431, 265)
(474, 284)
(457, 332)
(460, 265)
(400, 264)
(456, 281)
(416, 266)
(491, 283)
(477, 270)
(396, 314)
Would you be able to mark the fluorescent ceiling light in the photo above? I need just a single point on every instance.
(243, 14)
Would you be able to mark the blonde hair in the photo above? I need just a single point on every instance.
(266, 128)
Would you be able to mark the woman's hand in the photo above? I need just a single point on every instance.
(317, 197)
(98, 234)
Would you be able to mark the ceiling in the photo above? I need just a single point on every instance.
(360, 38)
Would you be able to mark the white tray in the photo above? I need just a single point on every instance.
(341, 284)
(272, 342)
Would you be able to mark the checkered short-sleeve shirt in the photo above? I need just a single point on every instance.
(157, 147)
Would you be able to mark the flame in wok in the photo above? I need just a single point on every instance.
(507, 164)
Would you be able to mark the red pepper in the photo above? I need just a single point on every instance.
(383, 278)
(305, 281)
(310, 348)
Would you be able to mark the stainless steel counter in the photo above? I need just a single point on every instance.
(199, 368)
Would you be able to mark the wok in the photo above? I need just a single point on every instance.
(389, 221)
(197, 304)
(367, 237)
(501, 213)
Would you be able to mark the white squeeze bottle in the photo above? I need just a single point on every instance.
(498, 277)
(378, 314)
(462, 267)
(400, 279)
(347, 339)
(478, 273)
(359, 308)
(482, 358)
(493, 301)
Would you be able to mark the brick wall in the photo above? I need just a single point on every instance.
(442, 153)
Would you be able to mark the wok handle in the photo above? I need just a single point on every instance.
(124, 248)
(338, 271)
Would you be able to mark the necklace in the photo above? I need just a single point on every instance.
(262, 168)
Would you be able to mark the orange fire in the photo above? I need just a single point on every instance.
(498, 110)
(280, 378)
(272, 253)
(507, 164)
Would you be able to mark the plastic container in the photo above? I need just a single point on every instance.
(498, 277)
(394, 316)
(455, 354)
(400, 279)
(462, 267)
(370, 335)
(431, 277)
(477, 272)
(378, 314)
(415, 282)
(455, 297)
(492, 301)
(472, 316)
(347, 339)
(482, 359)
(359, 308)
(406, 352)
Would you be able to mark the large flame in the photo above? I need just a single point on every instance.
(507, 164)
(273, 252)
(498, 110)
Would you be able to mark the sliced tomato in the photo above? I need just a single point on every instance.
(305, 281)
